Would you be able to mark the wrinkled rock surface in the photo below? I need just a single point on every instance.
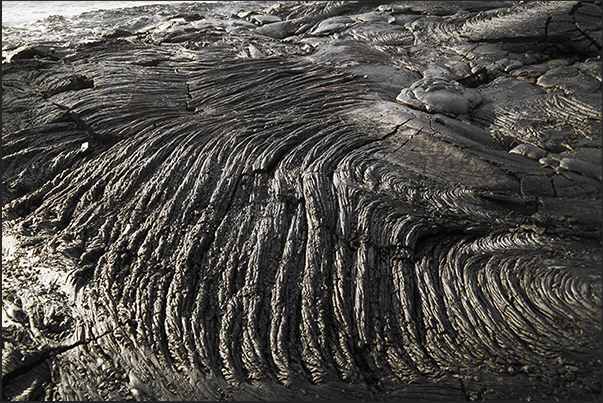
(235, 201)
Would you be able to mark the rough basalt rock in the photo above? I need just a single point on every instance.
(237, 207)
(440, 95)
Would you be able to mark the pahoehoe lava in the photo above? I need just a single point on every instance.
(301, 201)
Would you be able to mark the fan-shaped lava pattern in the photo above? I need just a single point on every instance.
(275, 227)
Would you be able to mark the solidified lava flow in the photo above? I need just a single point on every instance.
(305, 201)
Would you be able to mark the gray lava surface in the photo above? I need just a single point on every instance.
(304, 201)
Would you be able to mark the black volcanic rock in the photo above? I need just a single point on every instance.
(230, 204)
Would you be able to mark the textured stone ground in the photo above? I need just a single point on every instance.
(306, 201)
